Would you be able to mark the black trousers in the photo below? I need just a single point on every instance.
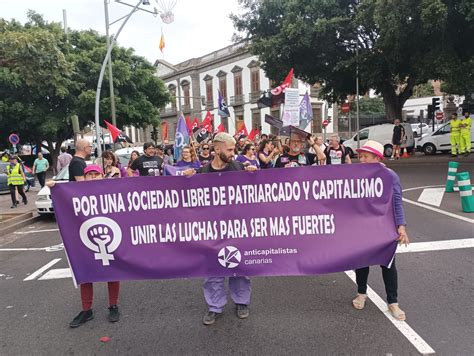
(20, 191)
(390, 279)
(41, 178)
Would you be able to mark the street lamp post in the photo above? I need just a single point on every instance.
(106, 59)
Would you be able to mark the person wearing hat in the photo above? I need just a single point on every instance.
(147, 164)
(5, 157)
(16, 180)
(214, 287)
(93, 172)
(372, 152)
(465, 134)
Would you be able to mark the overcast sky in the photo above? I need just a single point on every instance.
(200, 26)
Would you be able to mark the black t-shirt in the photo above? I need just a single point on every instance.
(302, 159)
(335, 155)
(148, 165)
(231, 166)
(398, 132)
(205, 160)
(76, 168)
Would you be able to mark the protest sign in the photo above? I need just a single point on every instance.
(301, 221)
(291, 110)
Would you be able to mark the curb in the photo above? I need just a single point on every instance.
(19, 222)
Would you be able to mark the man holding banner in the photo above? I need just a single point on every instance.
(214, 287)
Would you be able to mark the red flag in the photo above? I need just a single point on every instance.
(195, 125)
(164, 131)
(115, 132)
(254, 133)
(207, 122)
(242, 130)
(189, 124)
(220, 128)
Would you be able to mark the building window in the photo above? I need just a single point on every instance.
(255, 79)
(186, 94)
(172, 90)
(237, 83)
(256, 119)
(209, 97)
(223, 86)
(316, 124)
(239, 121)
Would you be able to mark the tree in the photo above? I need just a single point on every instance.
(47, 77)
(395, 44)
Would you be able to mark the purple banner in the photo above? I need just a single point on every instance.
(298, 221)
(169, 170)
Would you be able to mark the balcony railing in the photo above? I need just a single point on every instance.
(209, 104)
(168, 111)
(237, 100)
(254, 96)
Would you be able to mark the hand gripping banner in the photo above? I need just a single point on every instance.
(295, 221)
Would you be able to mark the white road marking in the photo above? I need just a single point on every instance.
(432, 196)
(34, 231)
(42, 269)
(436, 245)
(53, 248)
(57, 273)
(447, 213)
(402, 326)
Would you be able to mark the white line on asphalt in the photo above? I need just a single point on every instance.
(406, 330)
(436, 245)
(57, 273)
(47, 249)
(42, 269)
(429, 186)
(34, 231)
(447, 213)
(432, 196)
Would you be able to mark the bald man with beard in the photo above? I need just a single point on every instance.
(78, 162)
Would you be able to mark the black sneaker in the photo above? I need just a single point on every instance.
(81, 318)
(114, 314)
(25, 202)
(242, 311)
(13, 206)
(210, 318)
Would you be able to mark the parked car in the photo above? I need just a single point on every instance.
(123, 154)
(381, 133)
(43, 202)
(30, 177)
(420, 128)
(438, 140)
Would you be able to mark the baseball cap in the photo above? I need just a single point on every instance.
(93, 168)
(373, 147)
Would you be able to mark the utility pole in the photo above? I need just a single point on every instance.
(111, 78)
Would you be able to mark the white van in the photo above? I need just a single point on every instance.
(438, 140)
(381, 133)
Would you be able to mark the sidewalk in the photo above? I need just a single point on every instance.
(6, 202)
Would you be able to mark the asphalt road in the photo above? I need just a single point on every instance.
(289, 315)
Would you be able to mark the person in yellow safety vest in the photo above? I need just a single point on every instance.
(16, 180)
(465, 136)
(5, 156)
(454, 136)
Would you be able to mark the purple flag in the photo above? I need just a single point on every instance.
(169, 170)
(181, 138)
(296, 221)
(222, 109)
(306, 112)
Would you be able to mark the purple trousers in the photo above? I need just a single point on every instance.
(216, 295)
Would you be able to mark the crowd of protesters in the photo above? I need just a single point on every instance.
(226, 153)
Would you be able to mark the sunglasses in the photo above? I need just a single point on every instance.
(205, 148)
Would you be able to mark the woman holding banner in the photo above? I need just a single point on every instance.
(372, 152)
(188, 158)
(248, 156)
(266, 153)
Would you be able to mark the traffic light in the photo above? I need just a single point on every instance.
(431, 112)
(435, 103)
